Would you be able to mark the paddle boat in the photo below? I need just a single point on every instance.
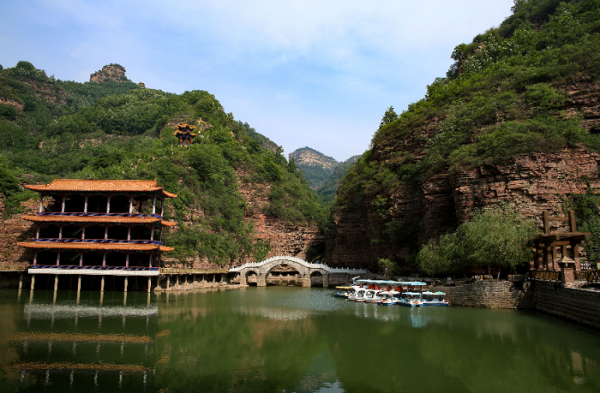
(373, 295)
(434, 299)
(389, 298)
(346, 291)
(358, 295)
(410, 299)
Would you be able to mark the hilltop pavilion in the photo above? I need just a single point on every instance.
(99, 228)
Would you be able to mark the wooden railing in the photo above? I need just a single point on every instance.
(545, 275)
(177, 270)
(588, 275)
(13, 267)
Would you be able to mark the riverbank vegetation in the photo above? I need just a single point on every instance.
(494, 239)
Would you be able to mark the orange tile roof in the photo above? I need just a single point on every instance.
(95, 246)
(101, 185)
(99, 220)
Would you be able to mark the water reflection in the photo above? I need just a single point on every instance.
(100, 343)
(282, 340)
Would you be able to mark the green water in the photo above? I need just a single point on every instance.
(282, 340)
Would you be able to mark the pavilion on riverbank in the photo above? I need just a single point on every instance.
(99, 228)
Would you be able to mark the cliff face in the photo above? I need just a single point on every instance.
(532, 183)
(285, 238)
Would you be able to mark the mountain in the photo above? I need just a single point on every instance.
(237, 200)
(322, 172)
(516, 120)
(316, 166)
(328, 189)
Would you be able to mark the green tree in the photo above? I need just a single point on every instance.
(498, 237)
(389, 116)
(587, 214)
(387, 267)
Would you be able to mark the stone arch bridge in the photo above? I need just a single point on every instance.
(306, 270)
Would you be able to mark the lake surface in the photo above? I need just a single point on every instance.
(282, 340)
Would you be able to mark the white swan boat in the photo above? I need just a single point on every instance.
(373, 295)
(389, 298)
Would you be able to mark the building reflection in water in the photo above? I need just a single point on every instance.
(87, 344)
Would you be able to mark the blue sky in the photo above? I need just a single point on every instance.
(303, 73)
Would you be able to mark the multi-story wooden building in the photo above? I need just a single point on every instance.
(99, 228)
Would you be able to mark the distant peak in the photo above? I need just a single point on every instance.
(309, 156)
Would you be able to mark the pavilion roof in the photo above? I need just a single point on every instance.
(76, 185)
(98, 219)
(95, 246)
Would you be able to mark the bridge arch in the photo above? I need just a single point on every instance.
(303, 267)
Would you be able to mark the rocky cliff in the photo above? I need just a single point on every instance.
(14, 229)
(284, 238)
(533, 183)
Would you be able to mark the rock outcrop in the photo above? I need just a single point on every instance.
(112, 73)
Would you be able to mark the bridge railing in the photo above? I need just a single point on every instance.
(299, 261)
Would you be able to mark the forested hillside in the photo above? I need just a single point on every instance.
(327, 190)
(51, 128)
(516, 112)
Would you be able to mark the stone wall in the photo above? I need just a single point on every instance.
(577, 305)
(488, 294)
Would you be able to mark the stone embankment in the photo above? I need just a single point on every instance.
(190, 286)
(577, 305)
(488, 294)
(567, 302)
